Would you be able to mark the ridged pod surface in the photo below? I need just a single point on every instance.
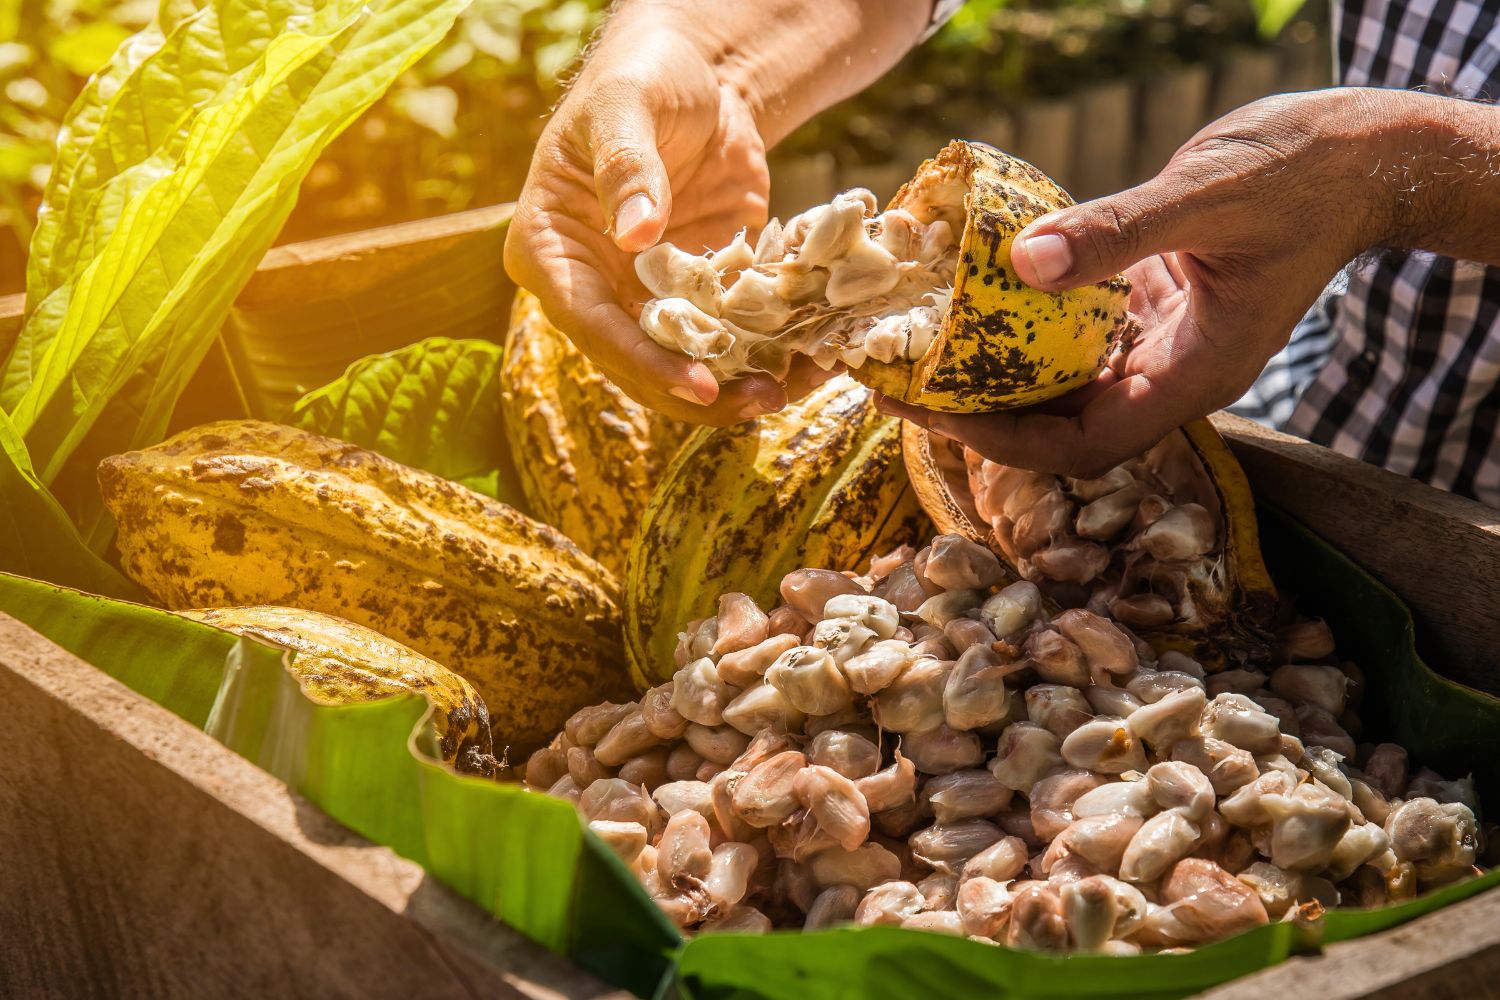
(1234, 604)
(245, 512)
(819, 484)
(1001, 343)
(339, 663)
(588, 455)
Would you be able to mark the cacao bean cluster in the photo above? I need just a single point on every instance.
(1141, 544)
(923, 745)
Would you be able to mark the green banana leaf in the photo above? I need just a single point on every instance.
(523, 857)
(528, 860)
(434, 405)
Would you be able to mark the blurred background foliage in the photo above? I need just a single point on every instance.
(457, 131)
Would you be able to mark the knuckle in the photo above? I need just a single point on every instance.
(617, 162)
(1110, 231)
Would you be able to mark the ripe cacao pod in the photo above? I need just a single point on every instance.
(1222, 602)
(819, 484)
(245, 512)
(339, 663)
(1001, 343)
(591, 454)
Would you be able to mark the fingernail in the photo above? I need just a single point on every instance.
(686, 395)
(752, 410)
(636, 210)
(1049, 256)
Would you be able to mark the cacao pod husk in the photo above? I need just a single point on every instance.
(340, 663)
(588, 455)
(245, 512)
(820, 483)
(1001, 343)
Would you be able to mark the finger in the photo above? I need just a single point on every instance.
(579, 300)
(1074, 402)
(1122, 421)
(635, 193)
(1092, 242)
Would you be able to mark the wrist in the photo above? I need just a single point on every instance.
(785, 60)
(1421, 157)
(676, 37)
(1371, 147)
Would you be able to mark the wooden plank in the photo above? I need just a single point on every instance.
(333, 266)
(142, 858)
(1439, 552)
(1453, 953)
(340, 265)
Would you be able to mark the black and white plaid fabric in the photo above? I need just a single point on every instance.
(1399, 363)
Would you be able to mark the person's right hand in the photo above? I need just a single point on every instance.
(649, 144)
(1226, 249)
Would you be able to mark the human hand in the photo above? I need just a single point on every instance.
(1226, 248)
(649, 144)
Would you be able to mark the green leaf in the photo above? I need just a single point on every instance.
(36, 537)
(1273, 15)
(188, 162)
(88, 47)
(434, 405)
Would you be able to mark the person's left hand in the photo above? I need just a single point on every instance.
(1226, 249)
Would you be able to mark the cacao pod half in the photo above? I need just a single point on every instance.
(1001, 343)
(338, 663)
(1193, 581)
(588, 454)
(820, 483)
(245, 512)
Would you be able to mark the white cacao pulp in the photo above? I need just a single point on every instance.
(838, 283)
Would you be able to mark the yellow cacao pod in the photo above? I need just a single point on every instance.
(1001, 343)
(338, 663)
(245, 512)
(1221, 601)
(819, 484)
(588, 455)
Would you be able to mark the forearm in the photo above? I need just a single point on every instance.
(788, 59)
(1444, 184)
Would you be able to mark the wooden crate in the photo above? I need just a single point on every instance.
(140, 857)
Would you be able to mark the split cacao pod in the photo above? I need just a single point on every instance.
(1001, 343)
(244, 512)
(1221, 602)
(820, 483)
(339, 663)
(591, 453)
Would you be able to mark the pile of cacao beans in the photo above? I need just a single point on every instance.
(923, 746)
(1135, 544)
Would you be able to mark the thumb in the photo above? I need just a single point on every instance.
(630, 178)
(1092, 242)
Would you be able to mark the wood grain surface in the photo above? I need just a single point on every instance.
(140, 858)
(1453, 954)
(1439, 552)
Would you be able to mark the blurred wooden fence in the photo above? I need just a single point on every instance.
(1100, 139)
